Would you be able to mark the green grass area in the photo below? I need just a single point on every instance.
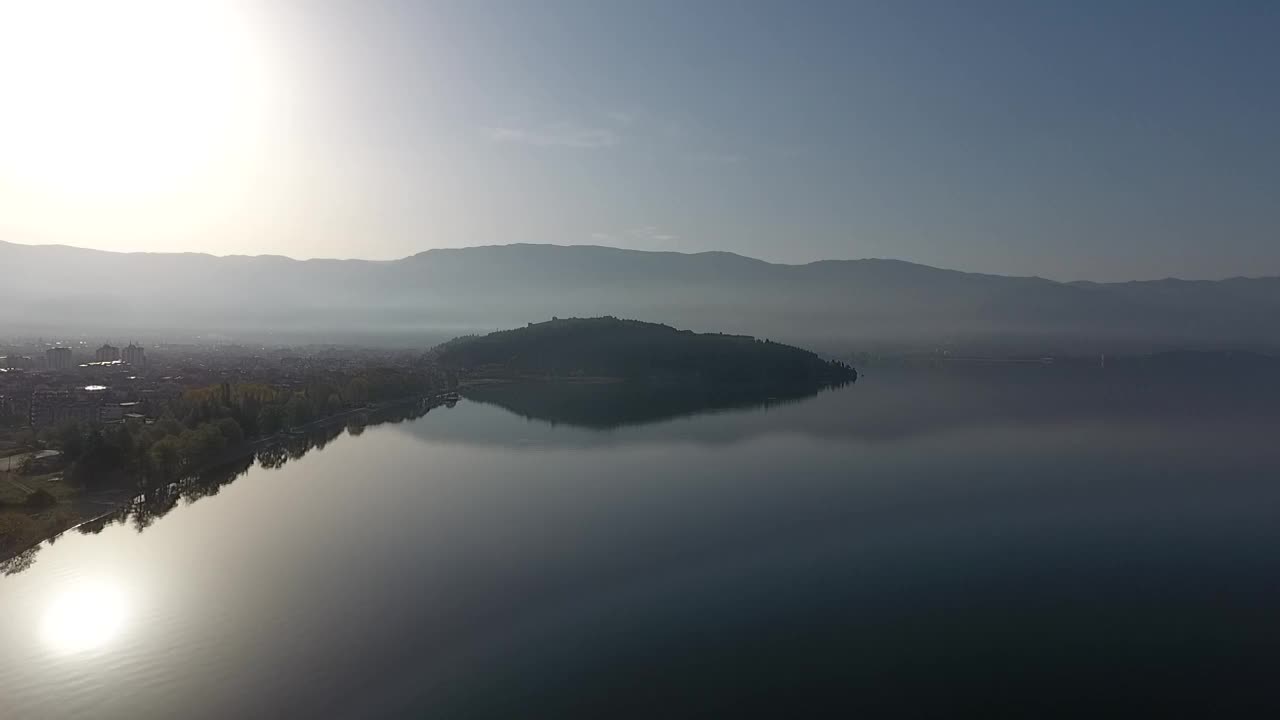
(12, 486)
(20, 530)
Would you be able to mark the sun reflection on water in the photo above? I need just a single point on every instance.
(86, 615)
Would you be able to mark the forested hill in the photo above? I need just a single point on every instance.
(629, 349)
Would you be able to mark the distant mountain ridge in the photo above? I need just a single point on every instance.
(831, 305)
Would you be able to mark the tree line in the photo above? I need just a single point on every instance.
(203, 424)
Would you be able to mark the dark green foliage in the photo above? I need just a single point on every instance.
(69, 437)
(271, 420)
(166, 456)
(40, 500)
(609, 347)
(203, 444)
(358, 392)
(298, 411)
(200, 427)
(103, 456)
(231, 431)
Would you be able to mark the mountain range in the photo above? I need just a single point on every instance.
(836, 306)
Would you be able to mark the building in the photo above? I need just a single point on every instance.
(114, 412)
(107, 353)
(55, 407)
(14, 407)
(135, 355)
(58, 358)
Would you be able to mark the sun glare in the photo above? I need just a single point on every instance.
(84, 616)
(125, 96)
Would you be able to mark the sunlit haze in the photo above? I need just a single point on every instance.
(131, 124)
(1073, 141)
(639, 358)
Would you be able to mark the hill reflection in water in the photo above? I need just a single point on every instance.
(608, 405)
(1219, 395)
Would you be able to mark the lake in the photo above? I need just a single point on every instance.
(957, 540)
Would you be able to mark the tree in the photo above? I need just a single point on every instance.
(271, 419)
(166, 456)
(355, 427)
(201, 444)
(231, 431)
(298, 411)
(358, 391)
(121, 438)
(40, 500)
(246, 412)
(212, 441)
(69, 437)
(100, 462)
(16, 531)
(169, 426)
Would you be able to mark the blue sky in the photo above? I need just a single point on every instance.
(1099, 140)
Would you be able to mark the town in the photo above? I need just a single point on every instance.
(44, 385)
(85, 427)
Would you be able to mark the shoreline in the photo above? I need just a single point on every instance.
(247, 449)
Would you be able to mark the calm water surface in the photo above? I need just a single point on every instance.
(1031, 539)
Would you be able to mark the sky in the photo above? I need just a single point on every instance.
(1085, 140)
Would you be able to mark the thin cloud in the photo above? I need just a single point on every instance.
(569, 136)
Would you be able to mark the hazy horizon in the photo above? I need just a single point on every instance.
(970, 271)
(838, 307)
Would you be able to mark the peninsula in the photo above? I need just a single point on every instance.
(616, 349)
